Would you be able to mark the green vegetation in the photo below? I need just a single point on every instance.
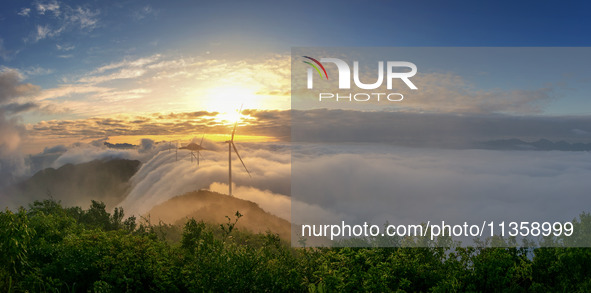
(49, 248)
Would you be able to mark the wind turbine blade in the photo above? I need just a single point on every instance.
(201, 143)
(236, 124)
(236, 151)
(234, 130)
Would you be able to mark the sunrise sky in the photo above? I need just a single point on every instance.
(77, 74)
(86, 70)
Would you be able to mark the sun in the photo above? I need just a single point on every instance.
(228, 100)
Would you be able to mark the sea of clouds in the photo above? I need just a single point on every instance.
(356, 183)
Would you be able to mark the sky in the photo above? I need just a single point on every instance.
(79, 65)
(76, 74)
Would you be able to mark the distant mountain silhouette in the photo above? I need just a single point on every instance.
(213, 207)
(539, 145)
(123, 146)
(76, 185)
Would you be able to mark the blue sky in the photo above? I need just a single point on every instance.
(76, 60)
(117, 28)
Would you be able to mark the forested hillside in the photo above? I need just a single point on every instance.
(49, 248)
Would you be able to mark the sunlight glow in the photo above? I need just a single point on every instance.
(227, 100)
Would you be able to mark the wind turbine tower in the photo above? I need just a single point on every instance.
(231, 146)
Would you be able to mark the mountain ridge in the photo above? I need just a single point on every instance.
(538, 145)
(77, 184)
(213, 207)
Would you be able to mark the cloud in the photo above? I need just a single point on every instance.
(84, 18)
(262, 123)
(128, 69)
(11, 86)
(14, 108)
(56, 149)
(272, 123)
(82, 153)
(44, 159)
(146, 145)
(323, 125)
(24, 12)
(12, 93)
(451, 93)
(44, 31)
(65, 47)
(430, 129)
(162, 177)
(144, 12)
(37, 70)
(580, 132)
(380, 183)
(139, 83)
(139, 62)
(68, 90)
(60, 18)
(11, 133)
(439, 92)
(276, 204)
(165, 173)
(372, 182)
(117, 96)
(122, 74)
(52, 6)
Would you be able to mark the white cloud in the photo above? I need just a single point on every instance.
(160, 75)
(127, 69)
(65, 47)
(13, 93)
(44, 31)
(53, 7)
(380, 183)
(140, 62)
(37, 70)
(84, 18)
(24, 12)
(63, 18)
(118, 96)
(125, 73)
(68, 90)
(162, 177)
(373, 183)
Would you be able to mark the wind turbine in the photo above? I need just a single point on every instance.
(193, 147)
(176, 149)
(230, 147)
